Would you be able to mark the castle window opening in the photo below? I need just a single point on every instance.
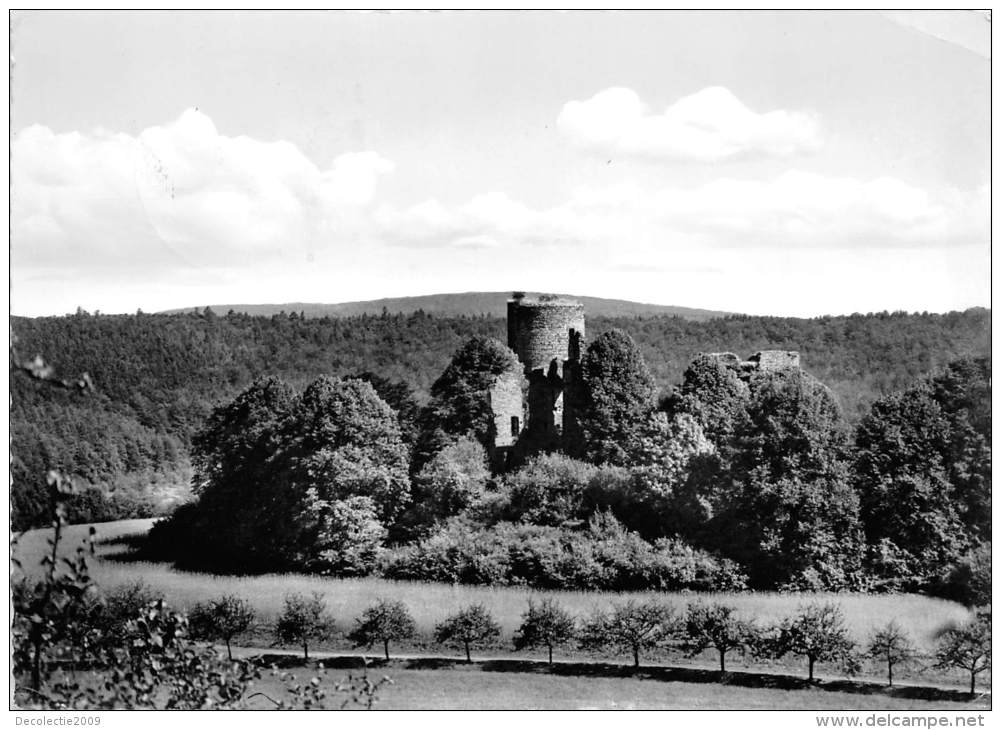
(515, 426)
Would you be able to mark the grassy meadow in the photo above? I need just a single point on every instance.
(431, 602)
(473, 688)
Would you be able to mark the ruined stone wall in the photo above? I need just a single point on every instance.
(775, 359)
(727, 358)
(765, 360)
(506, 403)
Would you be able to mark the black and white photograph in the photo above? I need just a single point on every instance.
(501, 360)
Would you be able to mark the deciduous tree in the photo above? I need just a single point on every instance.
(470, 626)
(349, 535)
(792, 516)
(460, 397)
(618, 396)
(817, 632)
(383, 622)
(221, 619)
(717, 626)
(966, 647)
(892, 645)
(545, 624)
(302, 620)
(454, 479)
(631, 627)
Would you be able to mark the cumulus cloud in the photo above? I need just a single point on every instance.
(792, 211)
(181, 194)
(708, 126)
(183, 205)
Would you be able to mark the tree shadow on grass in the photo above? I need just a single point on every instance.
(751, 680)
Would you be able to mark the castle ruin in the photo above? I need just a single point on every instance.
(762, 361)
(547, 335)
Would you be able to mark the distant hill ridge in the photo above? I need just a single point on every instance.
(493, 304)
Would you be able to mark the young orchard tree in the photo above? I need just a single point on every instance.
(469, 626)
(221, 620)
(818, 633)
(303, 620)
(966, 647)
(545, 624)
(632, 627)
(384, 622)
(892, 645)
(715, 625)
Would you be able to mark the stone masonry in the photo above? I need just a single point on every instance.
(765, 360)
(547, 335)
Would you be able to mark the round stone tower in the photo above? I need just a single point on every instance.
(545, 331)
(547, 334)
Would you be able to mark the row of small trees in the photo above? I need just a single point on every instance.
(817, 632)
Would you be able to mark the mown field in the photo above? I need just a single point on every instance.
(431, 602)
(478, 688)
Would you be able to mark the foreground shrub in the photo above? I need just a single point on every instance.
(548, 490)
(454, 479)
(632, 627)
(545, 624)
(472, 625)
(384, 622)
(137, 656)
(602, 555)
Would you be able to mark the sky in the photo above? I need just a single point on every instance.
(780, 163)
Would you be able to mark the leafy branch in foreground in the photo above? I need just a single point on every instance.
(146, 660)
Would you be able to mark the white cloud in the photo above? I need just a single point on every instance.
(708, 126)
(182, 194)
(793, 211)
(105, 217)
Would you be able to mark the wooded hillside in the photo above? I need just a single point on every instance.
(157, 377)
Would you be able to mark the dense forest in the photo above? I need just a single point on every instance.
(157, 377)
(742, 477)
